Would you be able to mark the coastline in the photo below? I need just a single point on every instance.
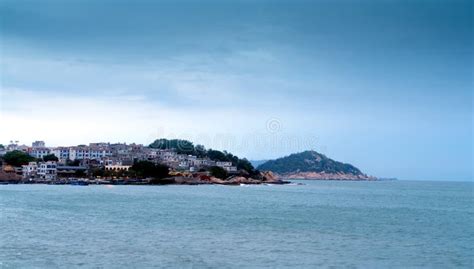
(148, 181)
(177, 181)
(326, 176)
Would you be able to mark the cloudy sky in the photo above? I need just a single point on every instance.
(385, 85)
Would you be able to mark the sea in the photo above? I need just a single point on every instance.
(320, 224)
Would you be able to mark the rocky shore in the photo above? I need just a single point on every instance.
(326, 176)
(263, 178)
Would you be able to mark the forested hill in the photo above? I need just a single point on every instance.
(308, 161)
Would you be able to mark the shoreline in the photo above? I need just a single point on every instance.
(145, 182)
(170, 181)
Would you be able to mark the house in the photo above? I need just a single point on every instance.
(231, 169)
(14, 146)
(39, 152)
(183, 164)
(168, 155)
(223, 164)
(151, 153)
(208, 163)
(99, 152)
(62, 153)
(30, 170)
(47, 170)
(89, 153)
(227, 166)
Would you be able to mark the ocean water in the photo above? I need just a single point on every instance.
(395, 224)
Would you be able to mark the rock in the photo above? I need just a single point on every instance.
(268, 176)
(9, 176)
(327, 176)
(237, 180)
(216, 180)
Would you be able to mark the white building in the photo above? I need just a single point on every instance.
(99, 153)
(201, 162)
(47, 170)
(151, 153)
(78, 153)
(39, 153)
(88, 153)
(227, 166)
(30, 170)
(230, 169)
(62, 153)
(183, 164)
(208, 163)
(168, 155)
(223, 164)
(14, 146)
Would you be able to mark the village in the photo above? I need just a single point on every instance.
(111, 163)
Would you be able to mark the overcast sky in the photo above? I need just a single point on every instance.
(385, 85)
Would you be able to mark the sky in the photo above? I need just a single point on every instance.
(386, 85)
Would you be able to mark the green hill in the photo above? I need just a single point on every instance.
(308, 161)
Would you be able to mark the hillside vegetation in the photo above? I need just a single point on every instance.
(187, 147)
(308, 161)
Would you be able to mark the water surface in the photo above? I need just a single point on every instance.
(319, 224)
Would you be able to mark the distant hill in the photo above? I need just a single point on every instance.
(257, 163)
(313, 165)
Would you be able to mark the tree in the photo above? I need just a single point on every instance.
(244, 164)
(181, 146)
(216, 155)
(73, 163)
(2, 146)
(98, 172)
(17, 158)
(218, 172)
(308, 161)
(149, 169)
(200, 151)
(50, 157)
(80, 173)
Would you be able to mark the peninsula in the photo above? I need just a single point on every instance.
(164, 161)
